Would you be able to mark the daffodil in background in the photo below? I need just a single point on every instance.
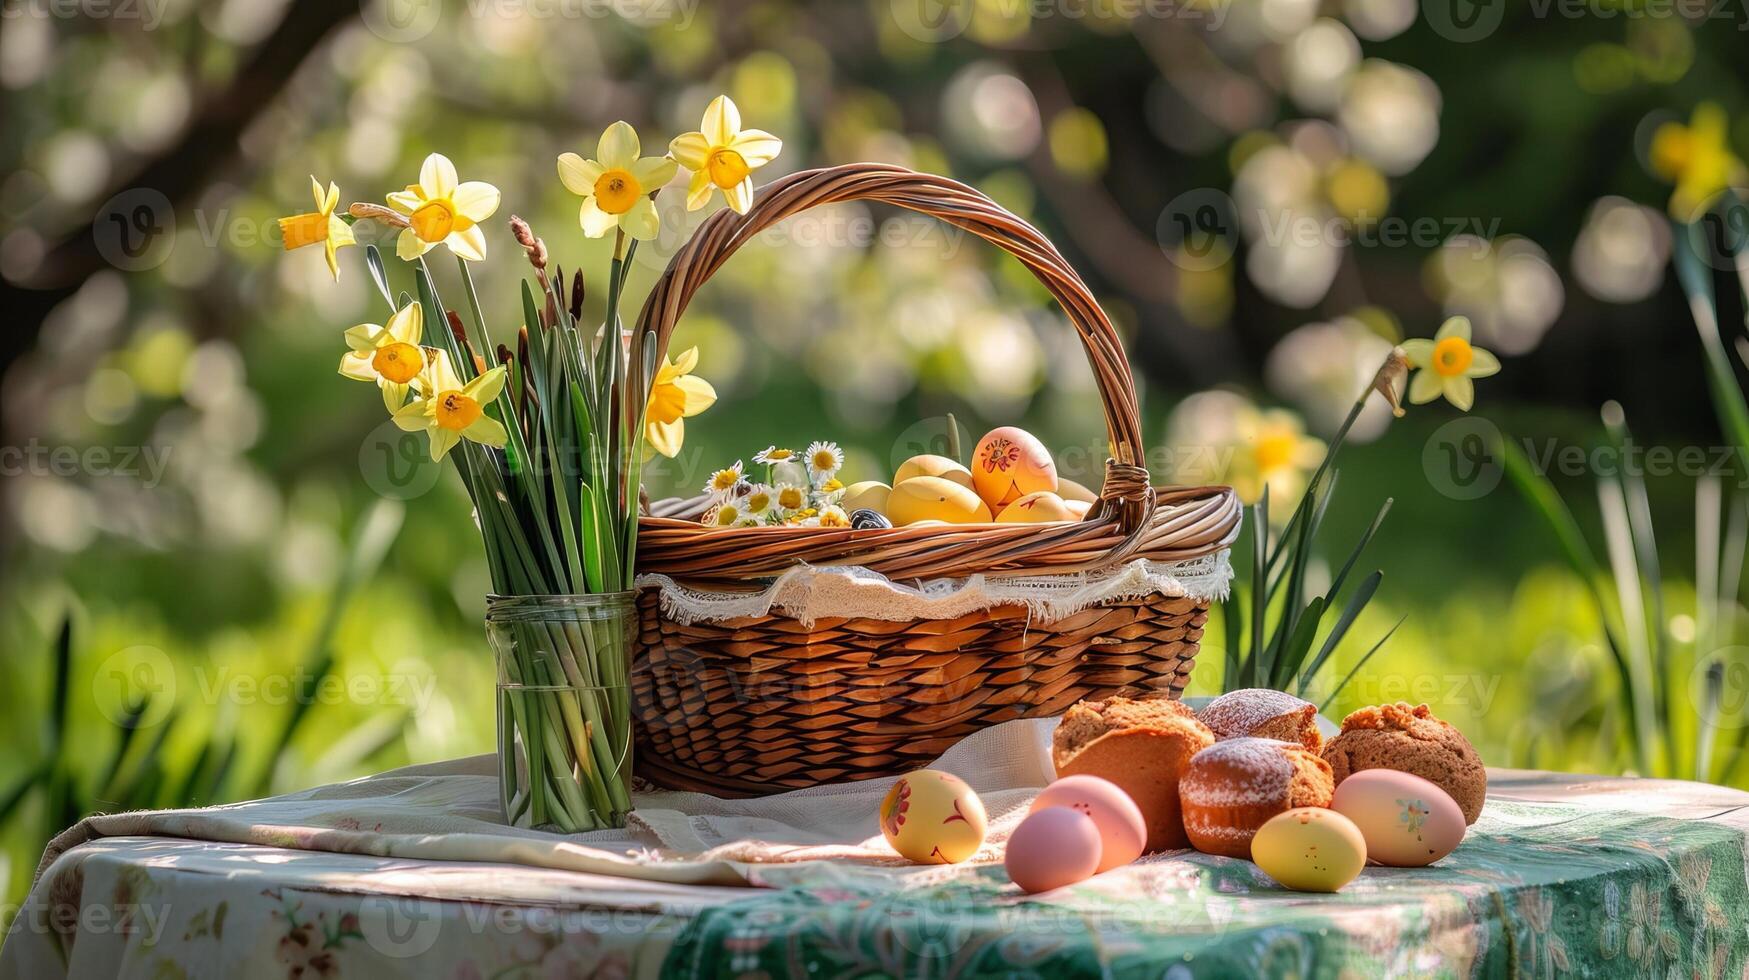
(442, 210)
(1697, 158)
(675, 395)
(389, 355)
(1448, 365)
(321, 225)
(616, 187)
(722, 156)
(1275, 452)
(448, 410)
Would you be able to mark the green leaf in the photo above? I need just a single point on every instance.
(1350, 612)
(373, 260)
(1292, 651)
(1359, 664)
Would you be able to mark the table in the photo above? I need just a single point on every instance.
(407, 875)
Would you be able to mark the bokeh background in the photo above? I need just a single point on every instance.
(223, 577)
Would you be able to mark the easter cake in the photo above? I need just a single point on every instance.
(1233, 787)
(1409, 739)
(1143, 748)
(1263, 713)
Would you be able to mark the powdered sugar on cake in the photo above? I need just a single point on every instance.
(1259, 772)
(1244, 711)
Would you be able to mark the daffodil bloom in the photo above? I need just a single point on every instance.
(441, 210)
(321, 225)
(616, 186)
(834, 516)
(1276, 453)
(724, 481)
(1448, 364)
(1697, 158)
(675, 395)
(824, 460)
(722, 156)
(449, 410)
(389, 355)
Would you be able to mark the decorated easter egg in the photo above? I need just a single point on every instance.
(1407, 821)
(868, 520)
(928, 465)
(1071, 491)
(1010, 463)
(1122, 831)
(1036, 508)
(933, 817)
(1310, 849)
(924, 498)
(1053, 847)
(865, 495)
(1078, 508)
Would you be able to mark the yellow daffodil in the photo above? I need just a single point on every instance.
(389, 355)
(616, 186)
(321, 225)
(675, 395)
(1697, 158)
(723, 482)
(723, 156)
(1274, 452)
(449, 410)
(1448, 364)
(442, 210)
(824, 459)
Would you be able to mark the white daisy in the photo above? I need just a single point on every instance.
(824, 459)
(724, 481)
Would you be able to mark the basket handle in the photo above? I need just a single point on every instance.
(1126, 490)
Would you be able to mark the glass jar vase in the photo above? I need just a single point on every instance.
(564, 708)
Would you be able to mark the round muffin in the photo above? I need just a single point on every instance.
(1234, 786)
(1141, 746)
(1262, 713)
(1408, 738)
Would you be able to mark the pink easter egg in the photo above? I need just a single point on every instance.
(1407, 821)
(1051, 848)
(1122, 831)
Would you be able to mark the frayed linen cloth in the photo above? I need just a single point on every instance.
(808, 593)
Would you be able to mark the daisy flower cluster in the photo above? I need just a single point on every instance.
(797, 489)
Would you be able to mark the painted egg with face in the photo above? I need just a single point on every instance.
(1037, 508)
(1122, 831)
(1408, 822)
(933, 817)
(1010, 463)
(1310, 849)
(931, 465)
(933, 498)
(1053, 847)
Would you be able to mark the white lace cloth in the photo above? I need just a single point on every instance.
(808, 593)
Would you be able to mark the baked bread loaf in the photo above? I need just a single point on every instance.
(1142, 747)
(1408, 738)
(1262, 713)
(1234, 786)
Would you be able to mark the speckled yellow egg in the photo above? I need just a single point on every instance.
(1407, 821)
(927, 498)
(1010, 463)
(1036, 508)
(1071, 491)
(928, 465)
(933, 817)
(865, 495)
(1310, 849)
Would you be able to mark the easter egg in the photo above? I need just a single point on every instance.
(1310, 849)
(1010, 463)
(868, 520)
(1036, 508)
(1078, 508)
(928, 465)
(933, 817)
(1071, 491)
(1122, 831)
(925, 498)
(865, 495)
(1051, 848)
(1407, 821)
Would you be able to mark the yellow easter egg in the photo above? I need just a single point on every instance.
(1071, 491)
(865, 495)
(1310, 849)
(928, 465)
(1010, 463)
(1078, 508)
(1036, 508)
(924, 498)
(933, 817)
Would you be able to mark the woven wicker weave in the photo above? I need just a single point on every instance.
(753, 705)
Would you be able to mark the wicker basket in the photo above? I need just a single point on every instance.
(761, 704)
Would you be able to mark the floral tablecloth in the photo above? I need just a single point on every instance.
(405, 875)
